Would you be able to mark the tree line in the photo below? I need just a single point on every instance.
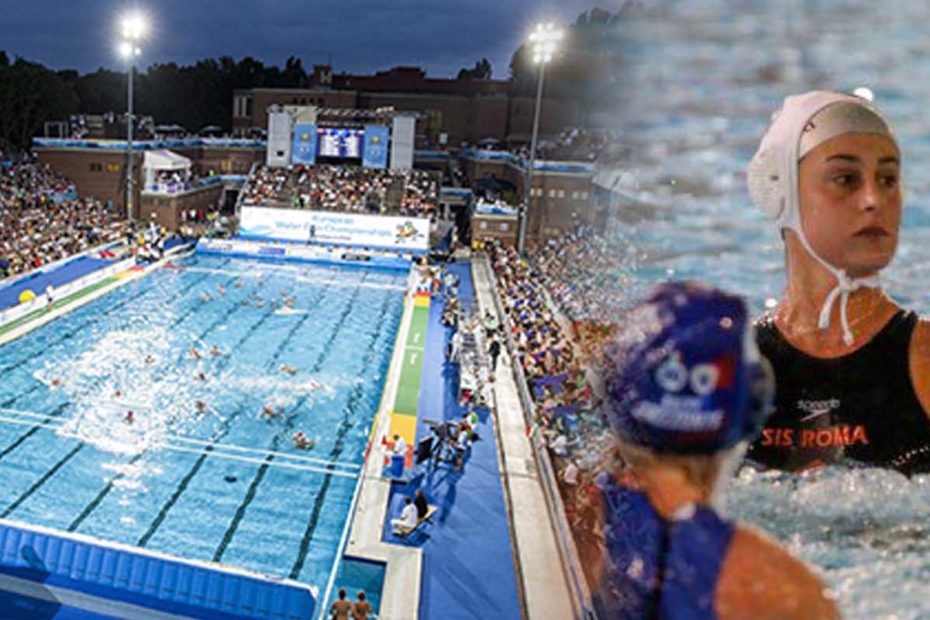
(200, 94)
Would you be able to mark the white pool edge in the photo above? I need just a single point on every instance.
(400, 592)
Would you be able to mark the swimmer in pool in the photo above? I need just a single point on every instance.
(302, 442)
(56, 382)
(260, 303)
(201, 407)
(220, 289)
(201, 376)
(215, 351)
(245, 302)
(287, 368)
(117, 394)
(686, 391)
(268, 413)
(852, 367)
(130, 417)
(238, 283)
(149, 359)
(290, 302)
(195, 352)
(205, 297)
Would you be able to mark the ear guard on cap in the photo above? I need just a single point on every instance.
(766, 187)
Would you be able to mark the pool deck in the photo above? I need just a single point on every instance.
(468, 563)
(543, 574)
(40, 279)
(94, 290)
(479, 558)
(401, 591)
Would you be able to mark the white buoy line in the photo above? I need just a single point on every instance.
(285, 460)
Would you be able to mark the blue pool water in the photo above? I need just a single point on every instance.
(355, 575)
(225, 485)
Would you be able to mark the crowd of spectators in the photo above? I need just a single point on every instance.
(41, 221)
(586, 274)
(353, 189)
(560, 358)
(574, 144)
(172, 181)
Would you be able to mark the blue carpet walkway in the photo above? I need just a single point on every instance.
(37, 283)
(467, 562)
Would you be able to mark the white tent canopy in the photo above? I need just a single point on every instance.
(166, 172)
(163, 159)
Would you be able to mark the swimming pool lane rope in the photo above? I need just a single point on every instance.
(288, 426)
(225, 426)
(224, 429)
(348, 413)
(108, 487)
(171, 442)
(58, 410)
(96, 318)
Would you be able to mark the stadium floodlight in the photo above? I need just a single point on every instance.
(545, 41)
(133, 27)
(125, 49)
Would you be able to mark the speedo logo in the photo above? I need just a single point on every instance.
(819, 406)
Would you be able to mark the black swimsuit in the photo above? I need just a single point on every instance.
(861, 406)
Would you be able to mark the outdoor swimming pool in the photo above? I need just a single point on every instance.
(228, 484)
(706, 75)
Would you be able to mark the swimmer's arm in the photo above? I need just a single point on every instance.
(920, 363)
(760, 580)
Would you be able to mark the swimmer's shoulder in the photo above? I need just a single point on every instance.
(920, 362)
(760, 580)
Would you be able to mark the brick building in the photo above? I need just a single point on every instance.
(97, 167)
(562, 194)
(453, 110)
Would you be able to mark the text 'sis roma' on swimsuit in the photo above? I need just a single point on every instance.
(861, 406)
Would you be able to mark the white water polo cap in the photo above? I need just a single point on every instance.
(804, 122)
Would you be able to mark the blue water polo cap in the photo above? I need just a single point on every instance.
(684, 375)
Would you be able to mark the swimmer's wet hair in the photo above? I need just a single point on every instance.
(701, 470)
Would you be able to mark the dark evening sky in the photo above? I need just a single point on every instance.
(359, 36)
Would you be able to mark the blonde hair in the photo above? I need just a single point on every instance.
(701, 470)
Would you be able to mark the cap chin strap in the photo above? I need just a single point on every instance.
(844, 286)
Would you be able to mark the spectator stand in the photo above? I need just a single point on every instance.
(548, 476)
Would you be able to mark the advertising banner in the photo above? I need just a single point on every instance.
(375, 231)
(303, 147)
(375, 150)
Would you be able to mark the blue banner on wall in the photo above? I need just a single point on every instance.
(375, 150)
(303, 147)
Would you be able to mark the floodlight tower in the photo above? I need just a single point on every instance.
(132, 28)
(545, 40)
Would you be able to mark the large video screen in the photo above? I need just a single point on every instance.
(340, 143)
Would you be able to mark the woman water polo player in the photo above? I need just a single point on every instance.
(686, 390)
(851, 366)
